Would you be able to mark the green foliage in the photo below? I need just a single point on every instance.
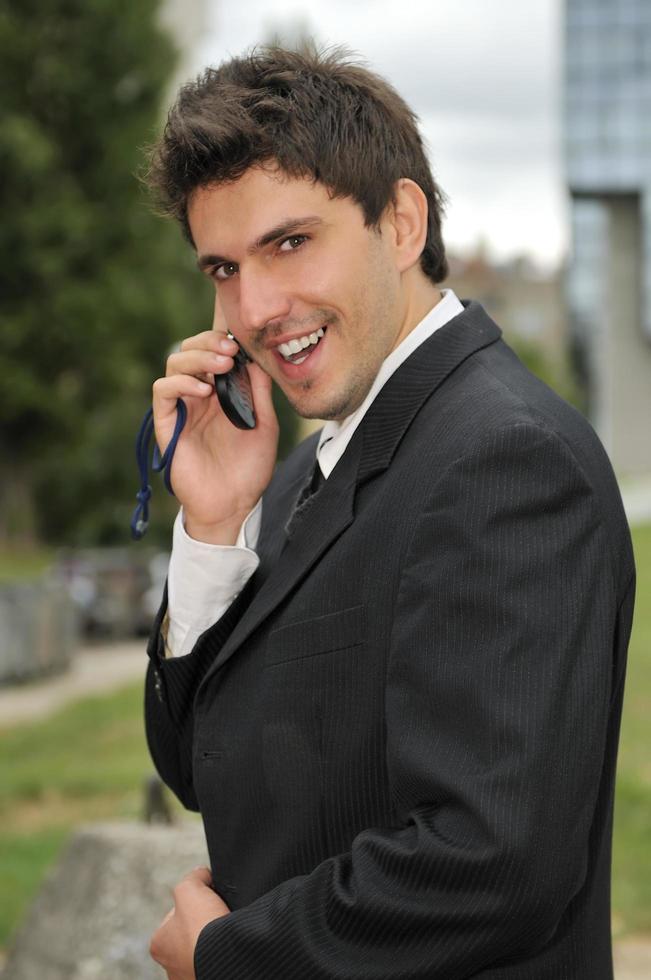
(631, 900)
(95, 287)
(632, 842)
(555, 374)
(17, 565)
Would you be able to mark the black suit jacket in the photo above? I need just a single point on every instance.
(402, 735)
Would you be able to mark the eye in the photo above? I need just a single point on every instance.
(292, 243)
(224, 271)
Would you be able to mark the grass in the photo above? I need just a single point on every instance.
(20, 564)
(632, 839)
(88, 763)
(24, 858)
(85, 763)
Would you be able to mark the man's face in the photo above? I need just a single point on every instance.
(293, 266)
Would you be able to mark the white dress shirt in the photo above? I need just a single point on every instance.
(204, 579)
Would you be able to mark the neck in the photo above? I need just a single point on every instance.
(421, 296)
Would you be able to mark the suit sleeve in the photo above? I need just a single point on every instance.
(497, 713)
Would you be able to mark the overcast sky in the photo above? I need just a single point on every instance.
(484, 78)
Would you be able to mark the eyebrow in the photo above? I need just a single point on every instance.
(285, 228)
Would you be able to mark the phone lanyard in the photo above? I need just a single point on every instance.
(140, 519)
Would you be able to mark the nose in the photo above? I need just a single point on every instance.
(263, 298)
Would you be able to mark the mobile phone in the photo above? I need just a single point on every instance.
(234, 392)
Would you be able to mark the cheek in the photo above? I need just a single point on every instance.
(230, 308)
(316, 282)
(331, 278)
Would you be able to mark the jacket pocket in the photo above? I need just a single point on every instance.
(311, 637)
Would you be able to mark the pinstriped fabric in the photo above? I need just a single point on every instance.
(173, 684)
(305, 498)
(406, 767)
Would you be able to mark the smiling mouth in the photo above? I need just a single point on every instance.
(299, 349)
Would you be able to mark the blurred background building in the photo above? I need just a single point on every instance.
(526, 300)
(608, 160)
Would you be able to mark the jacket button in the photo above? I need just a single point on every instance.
(158, 686)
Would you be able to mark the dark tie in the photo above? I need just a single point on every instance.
(305, 497)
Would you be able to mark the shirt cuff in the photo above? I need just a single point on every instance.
(204, 579)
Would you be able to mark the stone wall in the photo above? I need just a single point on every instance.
(97, 910)
(38, 629)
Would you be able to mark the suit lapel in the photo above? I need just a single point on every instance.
(286, 562)
(416, 380)
(369, 452)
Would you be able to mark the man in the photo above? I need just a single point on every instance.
(392, 688)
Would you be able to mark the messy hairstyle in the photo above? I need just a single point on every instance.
(315, 114)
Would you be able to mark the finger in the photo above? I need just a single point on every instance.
(210, 340)
(157, 943)
(261, 388)
(198, 362)
(166, 391)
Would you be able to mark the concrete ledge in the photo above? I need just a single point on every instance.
(97, 910)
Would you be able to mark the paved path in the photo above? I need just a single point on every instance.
(97, 669)
(633, 959)
(636, 494)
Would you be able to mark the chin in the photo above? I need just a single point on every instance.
(317, 401)
(314, 411)
(328, 409)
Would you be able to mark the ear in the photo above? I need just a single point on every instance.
(407, 216)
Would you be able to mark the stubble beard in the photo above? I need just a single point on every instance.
(376, 308)
(338, 405)
(335, 406)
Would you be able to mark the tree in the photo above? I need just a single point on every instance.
(95, 288)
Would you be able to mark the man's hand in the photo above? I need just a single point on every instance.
(219, 471)
(195, 904)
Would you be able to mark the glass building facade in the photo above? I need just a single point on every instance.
(607, 127)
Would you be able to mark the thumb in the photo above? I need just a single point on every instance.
(200, 876)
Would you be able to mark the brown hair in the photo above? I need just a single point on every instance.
(316, 114)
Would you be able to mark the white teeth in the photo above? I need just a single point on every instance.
(299, 360)
(299, 344)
